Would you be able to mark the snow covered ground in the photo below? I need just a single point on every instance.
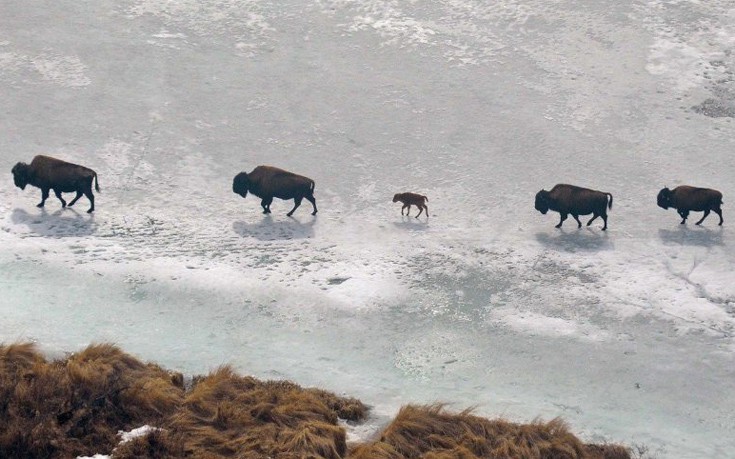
(628, 334)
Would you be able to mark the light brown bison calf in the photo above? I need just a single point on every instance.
(687, 198)
(49, 173)
(412, 199)
(574, 200)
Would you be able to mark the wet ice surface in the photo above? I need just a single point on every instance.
(627, 334)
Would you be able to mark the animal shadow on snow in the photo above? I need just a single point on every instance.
(575, 240)
(268, 229)
(698, 236)
(60, 223)
(412, 223)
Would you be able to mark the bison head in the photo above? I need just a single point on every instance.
(542, 201)
(664, 198)
(396, 197)
(21, 172)
(240, 184)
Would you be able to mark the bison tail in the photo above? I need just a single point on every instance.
(427, 199)
(311, 187)
(609, 203)
(96, 183)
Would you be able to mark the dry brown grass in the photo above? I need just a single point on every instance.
(76, 406)
(230, 415)
(430, 432)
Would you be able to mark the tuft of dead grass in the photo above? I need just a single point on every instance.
(76, 406)
(431, 432)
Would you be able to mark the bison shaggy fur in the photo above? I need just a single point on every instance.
(688, 198)
(268, 182)
(574, 200)
(49, 173)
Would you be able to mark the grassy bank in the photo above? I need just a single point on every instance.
(77, 405)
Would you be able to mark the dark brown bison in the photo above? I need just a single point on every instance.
(267, 182)
(687, 198)
(49, 173)
(412, 199)
(574, 200)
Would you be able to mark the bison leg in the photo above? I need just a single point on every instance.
(604, 219)
(76, 198)
(594, 217)
(579, 223)
(58, 195)
(266, 204)
(90, 196)
(427, 209)
(44, 197)
(706, 212)
(718, 211)
(311, 199)
(421, 209)
(684, 214)
(409, 209)
(563, 217)
(296, 204)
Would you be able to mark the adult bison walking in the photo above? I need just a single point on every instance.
(688, 198)
(268, 182)
(574, 200)
(49, 173)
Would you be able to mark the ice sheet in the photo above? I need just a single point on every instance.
(627, 334)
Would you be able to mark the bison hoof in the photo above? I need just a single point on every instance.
(314, 213)
(289, 214)
(39, 205)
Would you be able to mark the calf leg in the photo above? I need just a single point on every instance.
(311, 199)
(594, 217)
(76, 198)
(266, 204)
(684, 214)
(409, 209)
(563, 217)
(579, 223)
(58, 195)
(604, 219)
(44, 197)
(296, 204)
(706, 212)
(421, 209)
(427, 209)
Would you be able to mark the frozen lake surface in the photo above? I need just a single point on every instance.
(627, 334)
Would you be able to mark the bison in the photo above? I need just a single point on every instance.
(49, 173)
(267, 182)
(687, 198)
(409, 199)
(574, 200)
